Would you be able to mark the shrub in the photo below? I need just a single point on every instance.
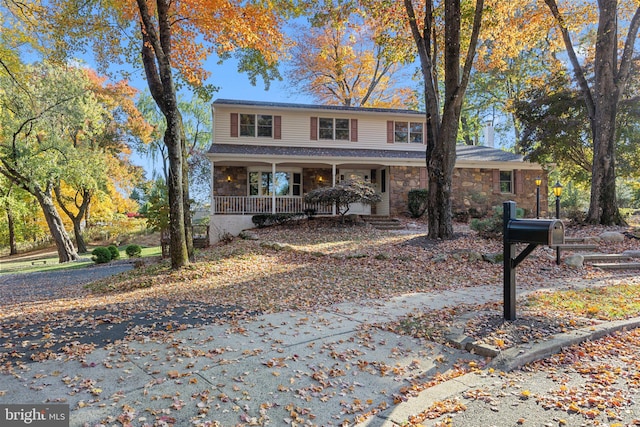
(491, 227)
(343, 194)
(101, 255)
(418, 202)
(264, 220)
(115, 253)
(133, 251)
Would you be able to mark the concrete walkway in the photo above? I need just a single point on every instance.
(330, 368)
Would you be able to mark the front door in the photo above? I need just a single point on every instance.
(346, 174)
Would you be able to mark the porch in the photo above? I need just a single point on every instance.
(253, 205)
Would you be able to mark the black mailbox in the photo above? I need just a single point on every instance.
(540, 231)
(532, 231)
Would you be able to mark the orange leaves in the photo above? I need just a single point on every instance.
(437, 409)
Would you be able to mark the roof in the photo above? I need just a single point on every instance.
(463, 152)
(286, 105)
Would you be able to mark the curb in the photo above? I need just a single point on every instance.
(514, 358)
(508, 360)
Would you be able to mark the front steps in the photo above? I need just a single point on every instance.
(598, 260)
(383, 222)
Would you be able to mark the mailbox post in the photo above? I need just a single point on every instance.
(532, 231)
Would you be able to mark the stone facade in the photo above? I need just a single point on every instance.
(230, 181)
(472, 190)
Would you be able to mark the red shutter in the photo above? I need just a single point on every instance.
(314, 129)
(277, 127)
(519, 184)
(496, 181)
(390, 132)
(424, 179)
(354, 130)
(234, 125)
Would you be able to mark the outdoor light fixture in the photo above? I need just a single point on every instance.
(557, 190)
(228, 178)
(319, 179)
(538, 182)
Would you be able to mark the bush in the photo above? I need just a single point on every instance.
(133, 251)
(101, 255)
(492, 227)
(264, 220)
(418, 202)
(115, 253)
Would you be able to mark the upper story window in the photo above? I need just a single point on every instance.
(329, 128)
(408, 132)
(334, 129)
(253, 125)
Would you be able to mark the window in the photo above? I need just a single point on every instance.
(506, 181)
(337, 129)
(256, 124)
(408, 132)
(283, 183)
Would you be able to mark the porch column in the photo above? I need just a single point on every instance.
(212, 208)
(273, 192)
(333, 183)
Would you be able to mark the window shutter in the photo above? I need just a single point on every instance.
(519, 184)
(496, 181)
(354, 130)
(390, 132)
(234, 125)
(314, 129)
(277, 127)
(424, 178)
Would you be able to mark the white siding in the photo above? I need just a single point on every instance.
(372, 128)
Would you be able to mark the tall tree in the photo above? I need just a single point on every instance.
(442, 119)
(612, 64)
(173, 38)
(99, 137)
(340, 59)
(33, 155)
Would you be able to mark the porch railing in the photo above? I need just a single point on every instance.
(240, 205)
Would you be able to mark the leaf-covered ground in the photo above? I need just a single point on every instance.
(293, 267)
(309, 266)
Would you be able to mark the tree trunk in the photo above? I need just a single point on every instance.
(156, 58)
(442, 127)
(13, 248)
(611, 75)
(66, 251)
(76, 219)
(77, 232)
(603, 207)
(188, 225)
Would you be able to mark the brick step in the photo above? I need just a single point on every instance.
(606, 257)
(619, 266)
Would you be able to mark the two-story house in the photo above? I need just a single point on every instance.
(266, 156)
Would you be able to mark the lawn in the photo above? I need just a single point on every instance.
(48, 261)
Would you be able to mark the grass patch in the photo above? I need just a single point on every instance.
(605, 303)
(34, 264)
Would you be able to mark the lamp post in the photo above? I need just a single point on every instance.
(557, 191)
(538, 182)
